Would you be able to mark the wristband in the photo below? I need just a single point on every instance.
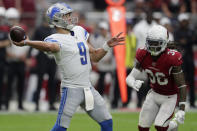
(182, 103)
(182, 86)
(25, 42)
(178, 72)
(106, 47)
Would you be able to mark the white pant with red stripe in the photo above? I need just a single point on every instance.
(157, 109)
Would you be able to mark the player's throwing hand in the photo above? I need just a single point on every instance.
(21, 43)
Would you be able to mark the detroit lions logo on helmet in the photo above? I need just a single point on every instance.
(53, 11)
(56, 16)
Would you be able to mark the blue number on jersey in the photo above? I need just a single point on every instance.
(82, 52)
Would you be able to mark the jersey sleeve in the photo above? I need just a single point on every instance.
(51, 39)
(176, 59)
(140, 54)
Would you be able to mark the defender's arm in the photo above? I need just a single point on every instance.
(131, 78)
(180, 82)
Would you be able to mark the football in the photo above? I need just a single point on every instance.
(17, 34)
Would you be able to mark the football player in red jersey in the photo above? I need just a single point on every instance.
(163, 68)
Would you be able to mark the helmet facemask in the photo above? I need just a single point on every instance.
(155, 47)
(66, 21)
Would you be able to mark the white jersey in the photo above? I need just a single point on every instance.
(73, 58)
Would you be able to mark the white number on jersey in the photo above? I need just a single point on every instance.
(172, 52)
(158, 77)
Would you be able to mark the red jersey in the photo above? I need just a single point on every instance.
(159, 71)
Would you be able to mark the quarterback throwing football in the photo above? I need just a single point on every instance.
(163, 68)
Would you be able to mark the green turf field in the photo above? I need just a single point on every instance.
(80, 122)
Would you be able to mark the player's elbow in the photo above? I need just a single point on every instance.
(130, 80)
(94, 57)
(51, 48)
(95, 60)
(127, 80)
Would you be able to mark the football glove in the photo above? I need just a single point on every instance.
(135, 84)
(180, 116)
(173, 125)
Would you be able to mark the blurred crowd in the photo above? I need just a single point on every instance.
(26, 72)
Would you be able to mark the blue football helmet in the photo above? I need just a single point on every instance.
(56, 16)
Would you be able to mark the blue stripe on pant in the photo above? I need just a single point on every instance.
(58, 128)
(61, 109)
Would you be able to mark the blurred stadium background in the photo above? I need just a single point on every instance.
(33, 107)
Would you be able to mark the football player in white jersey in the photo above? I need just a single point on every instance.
(73, 54)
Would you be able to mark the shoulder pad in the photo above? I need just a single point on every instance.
(175, 57)
(141, 52)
